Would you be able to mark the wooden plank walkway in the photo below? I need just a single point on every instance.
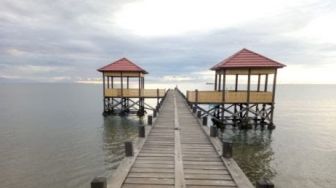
(177, 153)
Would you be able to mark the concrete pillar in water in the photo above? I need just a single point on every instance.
(99, 182)
(129, 149)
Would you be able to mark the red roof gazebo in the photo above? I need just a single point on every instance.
(244, 63)
(114, 88)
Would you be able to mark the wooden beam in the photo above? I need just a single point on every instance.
(248, 86)
(258, 86)
(224, 80)
(219, 81)
(111, 81)
(127, 81)
(121, 83)
(236, 84)
(266, 82)
(273, 94)
(216, 81)
(103, 84)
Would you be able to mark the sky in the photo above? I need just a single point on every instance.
(174, 40)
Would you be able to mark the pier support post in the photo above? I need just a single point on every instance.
(150, 120)
(199, 114)
(142, 133)
(264, 183)
(99, 182)
(154, 113)
(227, 149)
(194, 109)
(213, 131)
(205, 121)
(128, 149)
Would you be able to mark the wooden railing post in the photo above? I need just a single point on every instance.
(205, 121)
(142, 133)
(128, 148)
(99, 182)
(264, 183)
(199, 114)
(196, 96)
(194, 109)
(150, 120)
(227, 149)
(213, 131)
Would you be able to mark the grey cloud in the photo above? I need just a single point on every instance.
(77, 37)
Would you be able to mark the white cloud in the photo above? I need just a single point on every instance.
(175, 17)
(320, 29)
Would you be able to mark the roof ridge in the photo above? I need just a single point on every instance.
(120, 61)
(264, 57)
(235, 60)
(226, 59)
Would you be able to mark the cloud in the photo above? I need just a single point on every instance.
(42, 40)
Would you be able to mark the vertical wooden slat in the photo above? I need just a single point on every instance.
(224, 80)
(111, 81)
(103, 84)
(121, 84)
(219, 81)
(273, 94)
(216, 81)
(266, 82)
(258, 86)
(248, 86)
(236, 83)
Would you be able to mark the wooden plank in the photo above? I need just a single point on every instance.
(209, 176)
(139, 161)
(210, 163)
(202, 171)
(126, 185)
(154, 181)
(156, 158)
(179, 174)
(210, 186)
(204, 167)
(152, 165)
(211, 182)
(151, 175)
(154, 170)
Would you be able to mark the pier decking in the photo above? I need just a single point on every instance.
(177, 152)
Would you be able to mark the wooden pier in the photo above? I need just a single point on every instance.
(177, 152)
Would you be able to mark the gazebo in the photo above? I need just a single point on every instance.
(247, 101)
(120, 93)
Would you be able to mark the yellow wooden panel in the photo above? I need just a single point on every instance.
(262, 71)
(230, 97)
(134, 93)
(254, 71)
(236, 97)
(237, 71)
(125, 74)
(261, 97)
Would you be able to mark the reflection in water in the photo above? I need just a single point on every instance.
(252, 151)
(117, 130)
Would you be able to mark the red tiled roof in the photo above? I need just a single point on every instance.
(122, 65)
(247, 59)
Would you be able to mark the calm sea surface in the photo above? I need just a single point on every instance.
(53, 135)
